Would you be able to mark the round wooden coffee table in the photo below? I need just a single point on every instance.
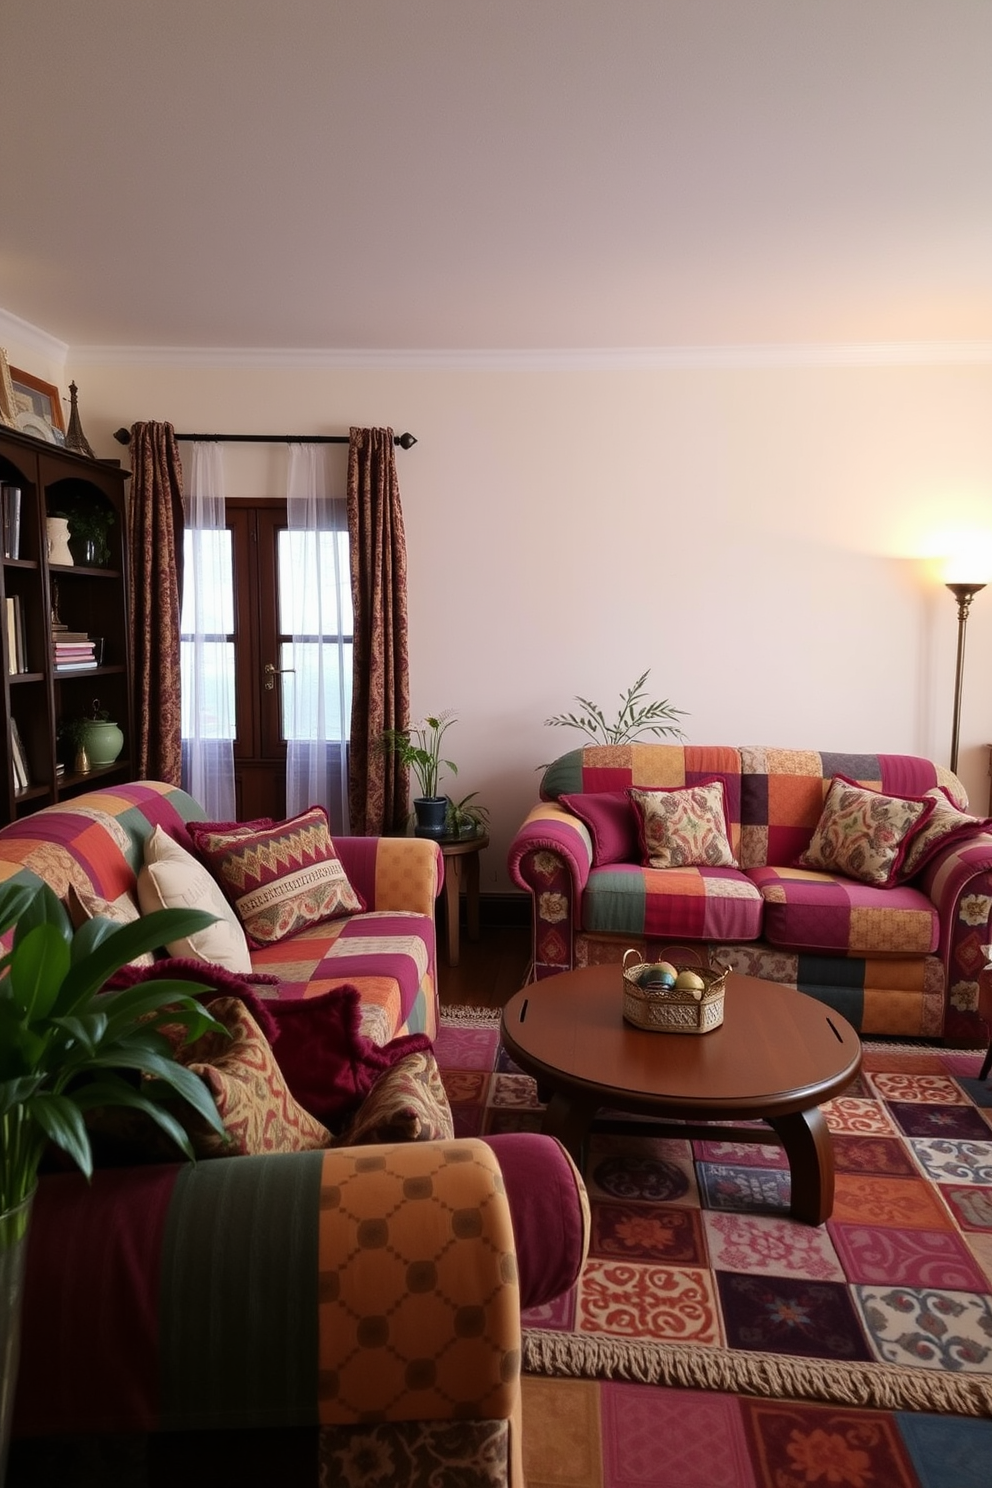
(777, 1056)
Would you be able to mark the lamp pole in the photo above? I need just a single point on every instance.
(964, 593)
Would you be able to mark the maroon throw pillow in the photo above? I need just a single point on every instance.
(612, 825)
(326, 1060)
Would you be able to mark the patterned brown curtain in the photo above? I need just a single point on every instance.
(155, 546)
(378, 787)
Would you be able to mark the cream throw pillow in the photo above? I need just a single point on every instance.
(173, 879)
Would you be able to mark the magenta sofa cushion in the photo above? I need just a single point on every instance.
(809, 914)
(612, 825)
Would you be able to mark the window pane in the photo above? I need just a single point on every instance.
(306, 658)
(213, 698)
(207, 554)
(308, 608)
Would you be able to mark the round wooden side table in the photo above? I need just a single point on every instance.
(461, 866)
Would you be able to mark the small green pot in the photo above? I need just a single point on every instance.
(103, 742)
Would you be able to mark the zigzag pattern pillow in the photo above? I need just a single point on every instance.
(279, 878)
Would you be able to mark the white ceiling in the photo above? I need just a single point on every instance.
(452, 174)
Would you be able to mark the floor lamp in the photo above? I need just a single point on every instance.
(964, 593)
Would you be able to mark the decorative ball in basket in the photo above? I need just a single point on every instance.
(672, 996)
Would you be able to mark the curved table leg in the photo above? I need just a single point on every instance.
(569, 1120)
(806, 1140)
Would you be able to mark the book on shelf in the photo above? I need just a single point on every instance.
(18, 758)
(62, 635)
(16, 652)
(11, 521)
(76, 666)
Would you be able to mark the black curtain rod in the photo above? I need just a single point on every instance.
(405, 441)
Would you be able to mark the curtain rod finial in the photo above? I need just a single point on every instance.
(123, 436)
(406, 441)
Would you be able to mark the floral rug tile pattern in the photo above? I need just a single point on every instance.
(782, 1315)
(631, 1300)
(692, 1242)
(935, 1090)
(948, 1161)
(919, 1258)
(924, 1327)
(610, 1434)
(765, 1245)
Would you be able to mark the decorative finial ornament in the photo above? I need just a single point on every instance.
(75, 439)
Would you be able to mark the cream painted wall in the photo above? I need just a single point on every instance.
(753, 535)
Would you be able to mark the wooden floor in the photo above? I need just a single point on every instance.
(489, 970)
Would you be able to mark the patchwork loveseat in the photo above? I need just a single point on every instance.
(902, 959)
(343, 1315)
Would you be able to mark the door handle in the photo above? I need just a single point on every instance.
(272, 672)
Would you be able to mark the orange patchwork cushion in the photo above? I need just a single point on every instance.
(254, 1102)
(684, 827)
(864, 834)
(279, 878)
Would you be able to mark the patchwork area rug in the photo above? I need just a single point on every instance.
(858, 1352)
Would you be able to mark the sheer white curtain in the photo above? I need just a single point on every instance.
(315, 609)
(207, 648)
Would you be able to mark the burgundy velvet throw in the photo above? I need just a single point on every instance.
(327, 1062)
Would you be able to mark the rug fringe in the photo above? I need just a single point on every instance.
(477, 1017)
(769, 1376)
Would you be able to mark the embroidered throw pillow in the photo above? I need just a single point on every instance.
(945, 825)
(254, 1102)
(172, 878)
(84, 904)
(282, 878)
(684, 827)
(407, 1103)
(863, 833)
(611, 821)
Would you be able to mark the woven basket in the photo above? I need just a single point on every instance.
(673, 1010)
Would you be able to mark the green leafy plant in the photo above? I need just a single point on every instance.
(75, 728)
(636, 717)
(463, 814)
(68, 1047)
(91, 524)
(419, 748)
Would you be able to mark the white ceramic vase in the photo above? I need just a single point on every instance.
(57, 533)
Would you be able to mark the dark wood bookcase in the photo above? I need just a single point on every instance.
(39, 699)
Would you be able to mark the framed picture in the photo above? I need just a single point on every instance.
(42, 399)
(8, 408)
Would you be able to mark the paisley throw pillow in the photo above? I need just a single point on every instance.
(684, 827)
(863, 833)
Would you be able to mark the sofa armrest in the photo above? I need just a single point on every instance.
(278, 1291)
(551, 857)
(394, 873)
(958, 881)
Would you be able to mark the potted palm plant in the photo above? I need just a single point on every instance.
(68, 1047)
(419, 749)
(634, 718)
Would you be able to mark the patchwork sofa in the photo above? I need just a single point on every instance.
(296, 1317)
(903, 959)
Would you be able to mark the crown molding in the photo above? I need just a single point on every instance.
(12, 328)
(579, 359)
